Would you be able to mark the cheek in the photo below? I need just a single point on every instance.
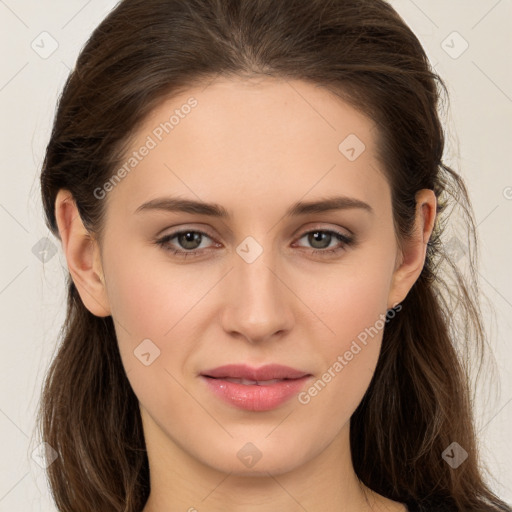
(149, 306)
(166, 304)
(137, 299)
(150, 297)
(353, 307)
(350, 300)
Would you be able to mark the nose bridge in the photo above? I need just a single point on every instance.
(258, 304)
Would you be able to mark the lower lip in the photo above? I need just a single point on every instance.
(252, 397)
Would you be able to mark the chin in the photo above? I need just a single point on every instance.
(247, 458)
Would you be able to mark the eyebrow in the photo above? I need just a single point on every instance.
(176, 204)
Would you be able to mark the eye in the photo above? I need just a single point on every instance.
(321, 239)
(189, 240)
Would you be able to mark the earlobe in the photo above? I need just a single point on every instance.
(82, 255)
(414, 250)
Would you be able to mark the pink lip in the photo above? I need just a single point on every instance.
(255, 397)
(266, 372)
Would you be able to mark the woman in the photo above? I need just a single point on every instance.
(251, 198)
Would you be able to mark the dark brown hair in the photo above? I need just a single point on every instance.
(145, 51)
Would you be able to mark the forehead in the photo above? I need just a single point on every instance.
(266, 138)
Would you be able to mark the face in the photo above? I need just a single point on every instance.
(276, 276)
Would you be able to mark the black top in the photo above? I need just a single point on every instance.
(428, 507)
(416, 508)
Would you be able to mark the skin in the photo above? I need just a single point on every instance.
(255, 148)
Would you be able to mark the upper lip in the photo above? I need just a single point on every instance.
(266, 372)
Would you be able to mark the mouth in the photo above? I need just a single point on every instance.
(248, 382)
(263, 374)
(255, 389)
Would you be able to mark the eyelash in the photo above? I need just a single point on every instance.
(345, 241)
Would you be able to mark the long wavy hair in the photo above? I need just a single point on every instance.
(419, 400)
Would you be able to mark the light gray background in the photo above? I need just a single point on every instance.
(32, 298)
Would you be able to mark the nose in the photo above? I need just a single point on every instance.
(258, 305)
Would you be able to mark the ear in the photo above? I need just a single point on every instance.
(413, 252)
(82, 254)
